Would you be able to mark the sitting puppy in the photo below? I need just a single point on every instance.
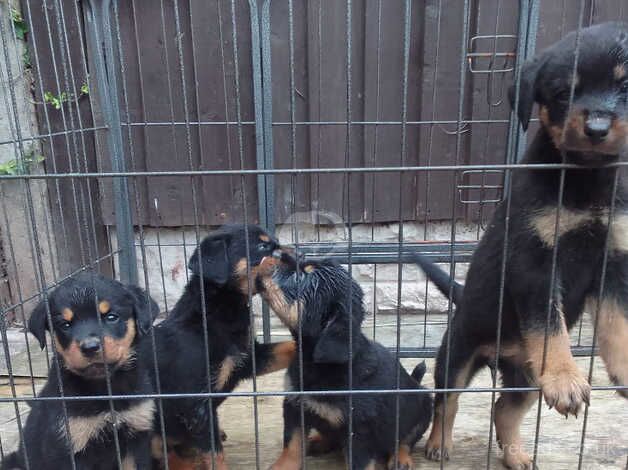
(96, 324)
(325, 304)
(211, 320)
(590, 133)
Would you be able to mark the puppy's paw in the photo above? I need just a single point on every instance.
(319, 445)
(566, 390)
(403, 461)
(436, 451)
(283, 464)
(518, 460)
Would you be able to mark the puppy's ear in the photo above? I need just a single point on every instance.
(38, 323)
(146, 309)
(215, 261)
(527, 89)
(332, 346)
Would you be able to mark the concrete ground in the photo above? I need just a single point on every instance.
(559, 441)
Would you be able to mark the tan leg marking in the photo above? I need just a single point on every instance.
(213, 462)
(157, 448)
(129, 463)
(612, 339)
(283, 355)
(562, 384)
(509, 412)
(444, 417)
(226, 369)
(404, 459)
(291, 456)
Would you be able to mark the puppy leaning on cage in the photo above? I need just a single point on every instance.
(218, 294)
(322, 306)
(96, 325)
(590, 132)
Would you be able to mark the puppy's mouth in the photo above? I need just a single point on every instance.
(97, 370)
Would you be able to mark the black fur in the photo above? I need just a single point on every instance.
(600, 99)
(45, 443)
(332, 310)
(217, 293)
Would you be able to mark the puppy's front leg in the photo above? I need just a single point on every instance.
(563, 385)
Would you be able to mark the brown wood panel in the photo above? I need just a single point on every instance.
(58, 66)
(155, 72)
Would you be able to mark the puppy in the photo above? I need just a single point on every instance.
(214, 305)
(590, 133)
(322, 306)
(96, 324)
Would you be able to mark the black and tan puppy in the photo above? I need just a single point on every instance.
(96, 325)
(323, 302)
(592, 132)
(215, 304)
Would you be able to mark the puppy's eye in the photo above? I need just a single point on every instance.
(66, 325)
(263, 246)
(112, 317)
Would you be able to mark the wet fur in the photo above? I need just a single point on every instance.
(331, 310)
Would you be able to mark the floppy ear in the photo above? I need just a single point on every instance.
(527, 89)
(333, 344)
(213, 254)
(146, 309)
(38, 323)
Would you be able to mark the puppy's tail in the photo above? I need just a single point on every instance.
(12, 461)
(419, 372)
(440, 278)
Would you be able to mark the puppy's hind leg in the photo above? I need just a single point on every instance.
(612, 338)
(462, 367)
(292, 455)
(510, 410)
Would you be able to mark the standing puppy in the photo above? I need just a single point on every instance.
(322, 306)
(591, 133)
(212, 320)
(96, 324)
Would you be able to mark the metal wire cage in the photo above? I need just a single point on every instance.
(362, 130)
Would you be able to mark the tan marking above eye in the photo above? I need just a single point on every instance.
(264, 238)
(104, 307)
(309, 268)
(67, 314)
(619, 72)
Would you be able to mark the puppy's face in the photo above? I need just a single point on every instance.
(594, 129)
(320, 298)
(95, 321)
(231, 255)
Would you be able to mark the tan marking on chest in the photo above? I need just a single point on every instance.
(543, 223)
(83, 429)
(332, 414)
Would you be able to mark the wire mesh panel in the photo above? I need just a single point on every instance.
(363, 132)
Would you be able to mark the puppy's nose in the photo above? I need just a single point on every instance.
(597, 126)
(90, 345)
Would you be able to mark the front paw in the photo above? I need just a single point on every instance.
(566, 390)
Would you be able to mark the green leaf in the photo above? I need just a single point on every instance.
(84, 89)
(19, 24)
